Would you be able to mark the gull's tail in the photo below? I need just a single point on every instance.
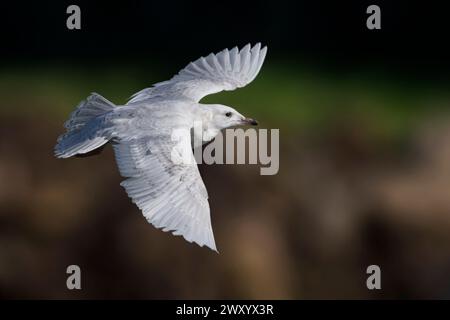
(84, 126)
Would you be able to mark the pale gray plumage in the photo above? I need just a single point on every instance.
(226, 70)
(171, 196)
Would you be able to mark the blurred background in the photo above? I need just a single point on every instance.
(364, 152)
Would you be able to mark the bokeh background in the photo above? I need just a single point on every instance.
(364, 152)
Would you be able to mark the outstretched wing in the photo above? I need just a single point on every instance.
(226, 70)
(171, 196)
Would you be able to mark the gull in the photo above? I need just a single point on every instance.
(171, 195)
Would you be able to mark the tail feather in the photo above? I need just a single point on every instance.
(93, 106)
(84, 127)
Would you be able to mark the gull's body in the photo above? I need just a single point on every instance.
(171, 195)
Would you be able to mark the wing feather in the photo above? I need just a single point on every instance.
(235, 60)
(226, 70)
(171, 196)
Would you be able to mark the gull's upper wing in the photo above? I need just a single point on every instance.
(226, 70)
(171, 196)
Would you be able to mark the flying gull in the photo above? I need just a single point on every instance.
(171, 195)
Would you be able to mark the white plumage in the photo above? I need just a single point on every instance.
(171, 195)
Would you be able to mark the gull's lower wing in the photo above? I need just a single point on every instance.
(226, 70)
(171, 196)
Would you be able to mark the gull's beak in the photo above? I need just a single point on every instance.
(250, 121)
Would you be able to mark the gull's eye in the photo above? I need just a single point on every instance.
(228, 114)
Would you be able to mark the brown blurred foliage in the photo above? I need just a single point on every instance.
(340, 202)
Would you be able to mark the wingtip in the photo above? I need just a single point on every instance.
(201, 244)
(212, 247)
(258, 47)
(263, 52)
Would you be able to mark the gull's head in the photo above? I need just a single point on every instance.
(224, 117)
